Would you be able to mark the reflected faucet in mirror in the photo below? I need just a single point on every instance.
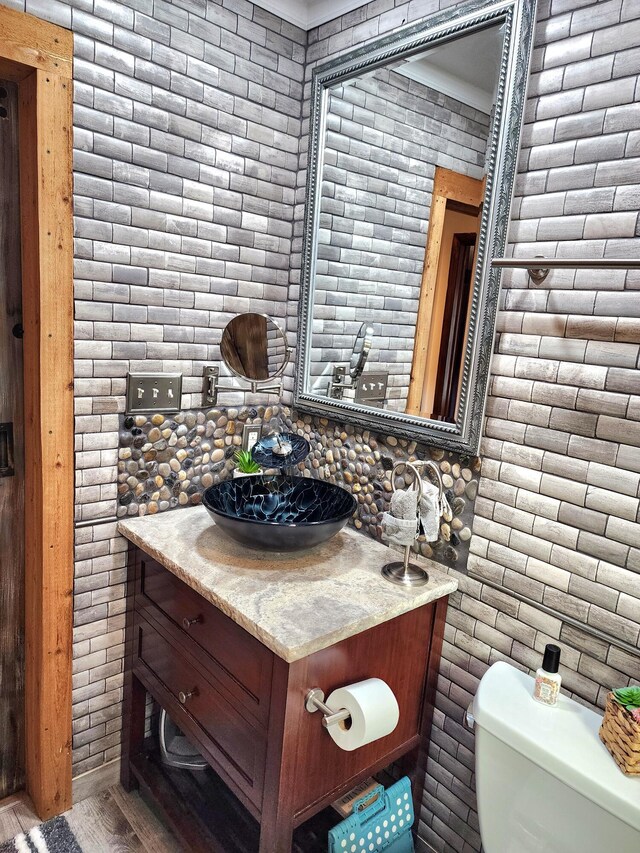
(342, 381)
(412, 163)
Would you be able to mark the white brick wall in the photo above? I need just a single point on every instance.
(187, 123)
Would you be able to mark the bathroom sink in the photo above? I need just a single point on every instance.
(279, 513)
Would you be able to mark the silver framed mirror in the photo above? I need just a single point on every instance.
(413, 146)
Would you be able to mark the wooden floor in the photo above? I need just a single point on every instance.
(110, 822)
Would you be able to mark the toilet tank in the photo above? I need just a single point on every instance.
(544, 780)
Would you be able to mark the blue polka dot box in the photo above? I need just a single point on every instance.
(381, 821)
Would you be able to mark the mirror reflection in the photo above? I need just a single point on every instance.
(254, 347)
(401, 186)
(361, 350)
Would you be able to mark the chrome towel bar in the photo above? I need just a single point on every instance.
(567, 263)
(540, 267)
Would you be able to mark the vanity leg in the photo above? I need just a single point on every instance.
(276, 825)
(276, 837)
(134, 706)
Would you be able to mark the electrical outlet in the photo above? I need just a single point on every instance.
(154, 392)
(250, 435)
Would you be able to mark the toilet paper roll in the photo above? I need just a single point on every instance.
(374, 713)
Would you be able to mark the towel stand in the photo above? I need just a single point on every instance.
(402, 572)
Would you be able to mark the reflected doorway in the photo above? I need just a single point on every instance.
(445, 295)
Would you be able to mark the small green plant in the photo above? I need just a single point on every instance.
(246, 463)
(628, 697)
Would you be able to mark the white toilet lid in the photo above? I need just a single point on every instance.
(563, 740)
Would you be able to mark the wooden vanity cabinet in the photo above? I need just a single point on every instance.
(244, 707)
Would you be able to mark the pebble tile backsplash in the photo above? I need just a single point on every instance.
(168, 462)
(165, 462)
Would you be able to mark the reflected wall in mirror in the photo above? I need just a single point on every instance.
(254, 347)
(413, 148)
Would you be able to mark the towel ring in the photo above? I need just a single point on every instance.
(418, 479)
(443, 503)
(402, 572)
(427, 463)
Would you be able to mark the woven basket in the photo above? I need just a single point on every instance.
(621, 735)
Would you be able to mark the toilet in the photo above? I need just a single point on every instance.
(544, 780)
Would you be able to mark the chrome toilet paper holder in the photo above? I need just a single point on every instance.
(314, 701)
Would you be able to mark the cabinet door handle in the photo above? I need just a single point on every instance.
(187, 623)
(183, 697)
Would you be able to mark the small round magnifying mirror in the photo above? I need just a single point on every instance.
(254, 347)
(361, 349)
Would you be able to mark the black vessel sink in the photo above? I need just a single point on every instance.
(278, 513)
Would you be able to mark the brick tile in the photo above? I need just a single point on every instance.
(627, 482)
(593, 450)
(568, 50)
(568, 604)
(578, 423)
(628, 458)
(613, 624)
(602, 402)
(625, 663)
(622, 530)
(603, 548)
(618, 429)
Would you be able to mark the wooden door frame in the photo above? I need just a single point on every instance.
(38, 56)
(447, 186)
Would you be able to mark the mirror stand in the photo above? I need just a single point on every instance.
(213, 387)
(254, 349)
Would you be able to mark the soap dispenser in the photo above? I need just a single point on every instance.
(547, 686)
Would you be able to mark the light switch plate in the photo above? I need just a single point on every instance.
(153, 392)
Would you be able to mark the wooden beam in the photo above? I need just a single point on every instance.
(47, 282)
(455, 185)
(39, 56)
(11, 71)
(34, 43)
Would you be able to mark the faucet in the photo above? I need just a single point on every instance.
(282, 446)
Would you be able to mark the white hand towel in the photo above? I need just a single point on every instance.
(404, 504)
(430, 511)
(399, 531)
(400, 526)
(445, 508)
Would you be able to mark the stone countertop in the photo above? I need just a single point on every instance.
(295, 604)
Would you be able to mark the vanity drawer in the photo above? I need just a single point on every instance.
(236, 745)
(242, 663)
